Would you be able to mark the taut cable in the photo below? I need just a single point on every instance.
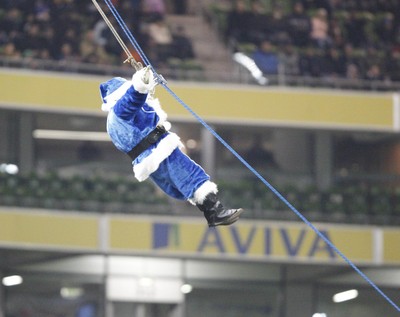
(130, 59)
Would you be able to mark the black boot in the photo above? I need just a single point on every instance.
(216, 214)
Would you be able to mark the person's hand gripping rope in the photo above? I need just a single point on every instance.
(143, 80)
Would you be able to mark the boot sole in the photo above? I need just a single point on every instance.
(228, 221)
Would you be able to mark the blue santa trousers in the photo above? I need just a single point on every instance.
(179, 176)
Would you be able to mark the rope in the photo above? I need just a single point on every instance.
(243, 161)
(159, 79)
(130, 58)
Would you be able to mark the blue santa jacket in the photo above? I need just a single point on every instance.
(132, 116)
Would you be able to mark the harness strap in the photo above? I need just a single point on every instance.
(150, 139)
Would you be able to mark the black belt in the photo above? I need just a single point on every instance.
(150, 139)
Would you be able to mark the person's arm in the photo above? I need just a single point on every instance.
(135, 96)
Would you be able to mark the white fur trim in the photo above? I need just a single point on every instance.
(167, 125)
(201, 193)
(112, 98)
(138, 80)
(155, 104)
(158, 154)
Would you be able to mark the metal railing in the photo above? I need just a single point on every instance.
(238, 75)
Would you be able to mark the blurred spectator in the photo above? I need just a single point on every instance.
(350, 5)
(289, 58)
(307, 4)
(154, 9)
(257, 23)
(374, 73)
(237, 23)
(160, 32)
(311, 63)
(44, 54)
(355, 29)
(299, 25)
(41, 10)
(49, 41)
(33, 41)
(67, 54)
(8, 4)
(73, 38)
(161, 40)
(373, 56)
(393, 65)
(337, 34)
(182, 46)
(389, 5)
(180, 6)
(320, 29)
(10, 51)
(326, 5)
(277, 30)
(396, 44)
(12, 21)
(366, 6)
(258, 155)
(100, 30)
(318, 4)
(337, 5)
(136, 5)
(335, 65)
(266, 58)
(91, 52)
(104, 38)
(386, 29)
(65, 15)
(352, 72)
(350, 57)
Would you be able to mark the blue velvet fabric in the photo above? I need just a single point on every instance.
(129, 121)
(179, 176)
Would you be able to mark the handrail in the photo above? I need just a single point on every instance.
(237, 75)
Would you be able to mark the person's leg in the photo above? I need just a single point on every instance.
(182, 178)
(162, 179)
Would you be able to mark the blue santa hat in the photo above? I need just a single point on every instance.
(112, 90)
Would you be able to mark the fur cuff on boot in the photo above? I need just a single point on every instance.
(201, 193)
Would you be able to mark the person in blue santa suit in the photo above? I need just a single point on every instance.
(138, 126)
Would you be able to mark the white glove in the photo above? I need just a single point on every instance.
(143, 80)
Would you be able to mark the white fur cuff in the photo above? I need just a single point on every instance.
(112, 98)
(201, 193)
(160, 153)
(140, 83)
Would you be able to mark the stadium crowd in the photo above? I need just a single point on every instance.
(73, 31)
(348, 39)
(320, 38)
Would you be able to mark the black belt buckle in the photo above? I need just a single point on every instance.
(155, 135)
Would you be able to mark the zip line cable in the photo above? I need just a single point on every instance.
(163, 83)
(130, 58)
